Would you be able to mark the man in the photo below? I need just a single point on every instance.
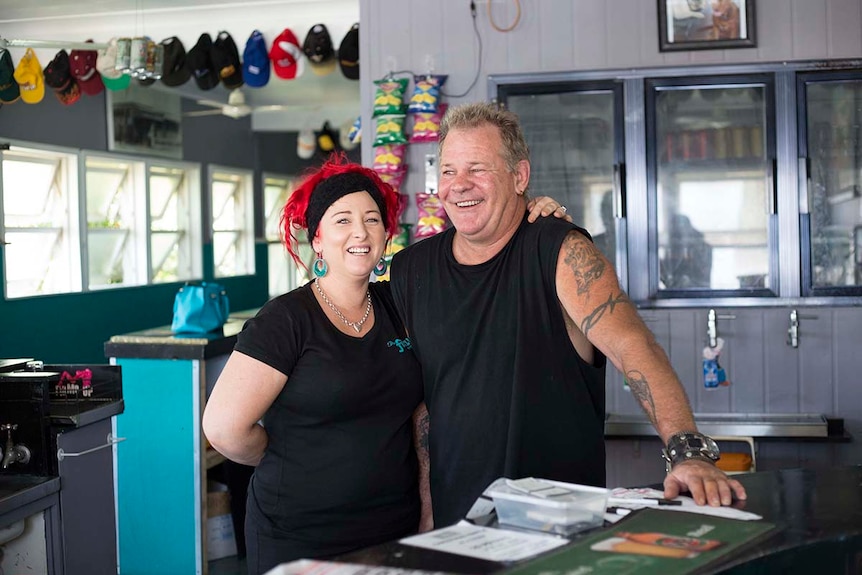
(512, 322)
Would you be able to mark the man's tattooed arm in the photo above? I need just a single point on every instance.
(640, 389)
(607, 307)
(585, 262)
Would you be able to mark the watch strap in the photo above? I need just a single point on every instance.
(688, 446)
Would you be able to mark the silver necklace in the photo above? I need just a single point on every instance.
(356, 325)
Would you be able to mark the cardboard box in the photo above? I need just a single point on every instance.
(221, 541)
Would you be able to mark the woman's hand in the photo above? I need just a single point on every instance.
(545, 206)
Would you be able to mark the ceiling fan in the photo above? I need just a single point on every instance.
(236, 107)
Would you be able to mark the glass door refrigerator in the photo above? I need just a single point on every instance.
(829, 109)
(575, 132)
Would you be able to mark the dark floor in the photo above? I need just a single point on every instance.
(228, 566)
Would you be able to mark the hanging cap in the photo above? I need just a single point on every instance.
(106, 61)
(319, 50)
(30, 80)
(199, 61)
(286, 56)
(255, 61)
(83, 68)
(348, 53)
(59, 77)
(175, 71)
(9, 89)
(226, 61)
(327, 140)
(344, 139)
(305, 144)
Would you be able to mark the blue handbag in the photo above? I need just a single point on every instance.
(200, 308)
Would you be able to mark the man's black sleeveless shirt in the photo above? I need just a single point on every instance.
(507, 394)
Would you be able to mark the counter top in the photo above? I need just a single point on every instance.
(795, 426)
(18, 490)
(162, 343)
(818, 513)
(74, 416)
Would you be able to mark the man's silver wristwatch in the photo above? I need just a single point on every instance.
(688, 445)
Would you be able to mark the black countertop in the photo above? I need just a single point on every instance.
(18, 490)
(161, 343)
(818, 513)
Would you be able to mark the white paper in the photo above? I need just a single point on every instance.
(688, 504)
(485, 542)
(314, 567)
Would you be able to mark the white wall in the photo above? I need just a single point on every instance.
(568, 35)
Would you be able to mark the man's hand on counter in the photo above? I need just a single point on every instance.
(706, 483)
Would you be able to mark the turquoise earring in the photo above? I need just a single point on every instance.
(320, 267)
(381, 267)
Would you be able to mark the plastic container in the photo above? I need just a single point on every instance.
(578, 508)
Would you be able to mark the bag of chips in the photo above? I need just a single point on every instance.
(389, 97)
(432, 216)
(389, 158)
(426, 125)
(395, 179)
(426, 93)
(390, 130)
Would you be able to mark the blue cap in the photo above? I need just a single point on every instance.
(255, 61)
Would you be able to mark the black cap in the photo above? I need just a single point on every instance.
(174, 69)
(58, 76)
(327, 139)
(348, 53)
(58, 73)
(199, 62)
(225, 57)
(318, 44)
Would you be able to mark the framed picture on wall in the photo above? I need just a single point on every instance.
(144, 120)
(705, 24)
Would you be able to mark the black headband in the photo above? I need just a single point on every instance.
(333, 188)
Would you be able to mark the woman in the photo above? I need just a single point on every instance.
(321, 388)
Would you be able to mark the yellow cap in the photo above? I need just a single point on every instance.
(29, 76)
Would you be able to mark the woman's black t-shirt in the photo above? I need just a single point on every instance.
(340, 471)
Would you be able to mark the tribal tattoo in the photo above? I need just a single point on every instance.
(640, 388)
(608, 307)
(586, 262)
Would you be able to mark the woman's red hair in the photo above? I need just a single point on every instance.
(293, 216)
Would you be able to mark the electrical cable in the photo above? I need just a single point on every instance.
(479, 59)
(515, 23)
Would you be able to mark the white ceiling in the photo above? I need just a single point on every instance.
(311, 99)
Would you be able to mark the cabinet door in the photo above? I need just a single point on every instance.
(830, 144)
(575, 134)
(87, 500)
(710, 169)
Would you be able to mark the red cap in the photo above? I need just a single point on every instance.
(286, 56)
(82, 65)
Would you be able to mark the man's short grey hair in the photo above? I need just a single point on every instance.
(479, 114)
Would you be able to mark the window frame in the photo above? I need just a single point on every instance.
(75, 179)
(246, 231)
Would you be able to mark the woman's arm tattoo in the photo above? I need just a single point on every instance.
(640, 388)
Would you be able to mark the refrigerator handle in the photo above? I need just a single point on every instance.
(804, 168)
(619, 191)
